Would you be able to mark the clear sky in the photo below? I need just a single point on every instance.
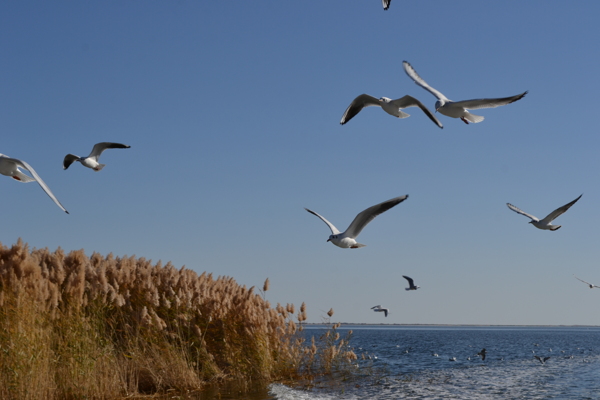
(232, 112)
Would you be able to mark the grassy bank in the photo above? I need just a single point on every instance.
(73, 326)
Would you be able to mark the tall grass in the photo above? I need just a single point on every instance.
(73, 326)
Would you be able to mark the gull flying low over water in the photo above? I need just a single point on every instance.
(378, 308)
(591, 285)
(458, 109)
(91, 161)
(10, 167)
(545, 223)
(482, 354)
(411, 283)
(392, 107)
(542, 359)
(346, 240)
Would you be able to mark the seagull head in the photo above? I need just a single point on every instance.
(331, 237)
(438, 104)
(385, 99)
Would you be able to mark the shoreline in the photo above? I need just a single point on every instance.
(452, 325)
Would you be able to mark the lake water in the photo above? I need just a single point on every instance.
(406, 365)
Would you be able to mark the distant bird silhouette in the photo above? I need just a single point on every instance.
(91, 161)
(542, 359)
(386, 4)
(378, 308)
(482, 354)
(591, 285)
(411, 283)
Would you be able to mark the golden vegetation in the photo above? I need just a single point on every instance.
(73, 326)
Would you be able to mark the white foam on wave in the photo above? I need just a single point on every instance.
(282, 392)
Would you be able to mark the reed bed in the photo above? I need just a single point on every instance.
(73, 326)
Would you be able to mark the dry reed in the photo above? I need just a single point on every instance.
(73, 326)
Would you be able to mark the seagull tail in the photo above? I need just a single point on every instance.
(99, 167)
(473, 118)
(358, 246)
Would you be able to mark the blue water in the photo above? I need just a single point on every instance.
(403, 364)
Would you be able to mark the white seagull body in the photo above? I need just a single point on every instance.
(10, 167)
(91, 161)
(545, 223)
(347, 239)
(386, 4)
(392, 107)
(458, 109)
(411, 283)
(379, 309)
(591, 285)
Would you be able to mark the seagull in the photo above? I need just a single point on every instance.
(542, 359)
(545, 223)
(452, 359)
(386, 4)
(10, 167)
(346, 240)
(411, 283)
(378, 308)
(482, 354)
(458, 109)
(392, 107)
(91, 161)
(591, 285)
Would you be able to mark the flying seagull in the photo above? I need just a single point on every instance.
(386, 4)
(91, 161)
(458, 109)
(346, 240)
(482, 354)
(591, 285)
(392, 107)
(379, 309)
(10, 167)
(545, 223)
(542, 359)
(411, 283)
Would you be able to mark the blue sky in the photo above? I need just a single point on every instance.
(232, 112)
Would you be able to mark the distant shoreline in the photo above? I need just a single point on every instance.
(454, 325)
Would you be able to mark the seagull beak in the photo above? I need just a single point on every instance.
(329, 240)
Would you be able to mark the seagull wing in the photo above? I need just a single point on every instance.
(69, 159)
(100, 147)
(24, 165)
(368, 215)
(559, 211)
(587, 283)
(410, 71)
(385, 311)
(519, 211)
(362, 101)
(377, 306)
(334, 230)
(409, 101)
(410, 281)
(489, 103)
